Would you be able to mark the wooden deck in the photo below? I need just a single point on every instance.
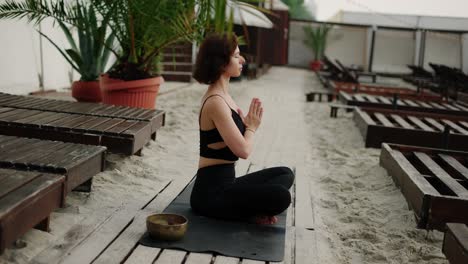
(111, 236)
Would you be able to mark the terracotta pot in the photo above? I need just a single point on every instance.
(315, 65)
(137, 93)
(86, 91)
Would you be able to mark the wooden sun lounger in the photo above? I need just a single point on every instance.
(79, 163)
(26, 201)
(420, 105)
(117, 134)
(412, 128)
(455, 246)
(154, 117)
(433, 181)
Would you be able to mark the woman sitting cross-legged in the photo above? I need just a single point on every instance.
(227, 135)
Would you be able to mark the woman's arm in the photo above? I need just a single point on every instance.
(221, 115)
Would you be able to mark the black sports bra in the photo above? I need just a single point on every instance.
(212, 136)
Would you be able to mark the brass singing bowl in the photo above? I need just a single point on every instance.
(166, 226)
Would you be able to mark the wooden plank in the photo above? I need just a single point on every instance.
(455, 127)
(303, 204)
(142, 255)
(372, 98)
(434, 123)
(384, 100)
(436, 105)
(306, 247)
(463, 123)
(226, 260)
(171, 256)
(401, 121)
(424, 104)
(456, 187)
(366, 117)
(410, 102)
(199, 258)
(250, 261)
(463, 108)
(359, 98)
(449, 106)
(420, 123)
(383, 120)
(455, 164)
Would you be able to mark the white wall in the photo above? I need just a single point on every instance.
(443, 48)
(20, 58)
(393, 51)
(344, 43)
(465, 52)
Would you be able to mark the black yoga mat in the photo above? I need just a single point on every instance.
(234, 239)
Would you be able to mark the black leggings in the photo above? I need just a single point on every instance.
(218, 193)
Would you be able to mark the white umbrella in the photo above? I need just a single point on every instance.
(246, 14)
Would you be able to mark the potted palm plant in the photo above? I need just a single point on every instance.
(89, 55)
(143, 28)
(316, 40)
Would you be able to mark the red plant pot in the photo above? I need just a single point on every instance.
(315, 65)
(137, 93)
(86, 91)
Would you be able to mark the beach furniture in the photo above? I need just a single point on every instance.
(26, 201)
(77, 162)
(455, 246)
(413, 128)
(154, 117)
(434, 182)
(117, 134)
(401, 102)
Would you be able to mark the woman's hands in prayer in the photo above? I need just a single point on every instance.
(254, 117)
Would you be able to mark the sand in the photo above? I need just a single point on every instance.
(361, 217)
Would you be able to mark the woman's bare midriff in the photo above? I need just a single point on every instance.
(205, 162)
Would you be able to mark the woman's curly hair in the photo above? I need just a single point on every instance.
(213, 56)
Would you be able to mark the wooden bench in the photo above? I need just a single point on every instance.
(326, 95)
(79, 163)
(385, 102)
(26, 201)
(117, 134)
(433, 181)
(154, 117)
(455, 246)
(412, 128)
(334, 109)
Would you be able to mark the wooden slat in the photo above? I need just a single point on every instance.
(359, 98)
(454, 163)
(458, 189)
(401, 121)
(366, 117)
(143, 255)
(455, 127)
(372, 98)
(410, 102)
(226, 260)
(383, 120)
(420, 123)
(171, 256)
(463, 108)
(16, 180)
(425, 105)
(434, 123)
(303, 204)
(384, 100)
(449, 106)
(463, 123)
(436, 105)
(199, 258)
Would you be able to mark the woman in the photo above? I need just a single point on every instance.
(225, 136)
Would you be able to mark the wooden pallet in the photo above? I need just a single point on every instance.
(433, 181)
(412, 128)
(79, 163)
(117, 134)
(455, 246)
(26, 201)
(154, 117)
(380, 90)
(420, 105)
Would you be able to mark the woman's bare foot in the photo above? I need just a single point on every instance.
(265, 220)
